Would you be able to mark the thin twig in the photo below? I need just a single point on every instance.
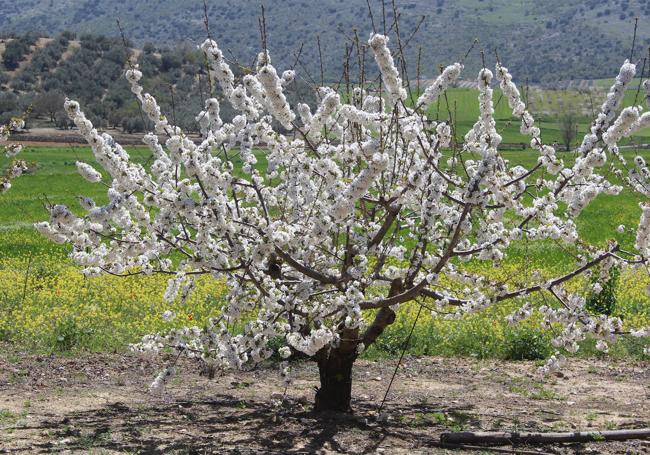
(638, 89)
(372, 18)
(636, 23)
(295, 62)
(29, 266)
(206, 23)
(320, 60)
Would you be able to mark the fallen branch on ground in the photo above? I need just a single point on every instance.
(493, 449)
(501, 438)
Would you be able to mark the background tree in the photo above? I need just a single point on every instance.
(368, 207)
(568, 127)
(48, 104)
(9, 107)
(569, 109)
(62, 121)
(13, 53)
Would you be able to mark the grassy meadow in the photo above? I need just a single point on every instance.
(547, 105)
(48, 306)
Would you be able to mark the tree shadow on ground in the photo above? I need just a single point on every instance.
(225, 424)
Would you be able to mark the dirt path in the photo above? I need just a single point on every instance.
(99, 404)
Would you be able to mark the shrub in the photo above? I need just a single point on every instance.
(604, 302)
(68, 335)
(526, 344)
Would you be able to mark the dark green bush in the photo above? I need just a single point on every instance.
(604, 302)
(68, 335)
(526, 344)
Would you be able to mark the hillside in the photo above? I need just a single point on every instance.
(42, 71)
(541, 41)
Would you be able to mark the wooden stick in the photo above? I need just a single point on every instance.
(493, 449)
(501, 438)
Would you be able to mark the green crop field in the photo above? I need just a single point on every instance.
(45, 303)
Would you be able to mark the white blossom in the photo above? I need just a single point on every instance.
(285, 352)
(88, 172)
(168, 316)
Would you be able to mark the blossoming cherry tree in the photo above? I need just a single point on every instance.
(360, 209)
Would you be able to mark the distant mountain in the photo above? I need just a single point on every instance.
(539, 40)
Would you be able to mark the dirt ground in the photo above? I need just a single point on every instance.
(99, 403)
(54, 137)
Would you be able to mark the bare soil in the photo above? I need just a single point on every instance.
(99, 403)
(55, 137)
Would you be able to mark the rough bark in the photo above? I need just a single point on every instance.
(335, 390)
(384, 317)
(335, 365)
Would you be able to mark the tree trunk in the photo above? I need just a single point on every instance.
(335, 389)
(335, 365)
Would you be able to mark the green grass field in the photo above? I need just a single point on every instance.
(47, 305)
(546, 105)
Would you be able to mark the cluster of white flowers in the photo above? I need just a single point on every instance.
(389, 73)
(521, 314)
(285, 373)
(315, 342)
(273, 90)
(219, 68)
(11, 150)
(346, 202)
(209, 119)
(168, 316)
(285, 352)
(360, 210)
(643, 232)
(511, 92)
(88, 172)
(629, 116)
(14, 125)
(158, 385)
(448, 76)
(554, 363)
(609, 107)
(638, 177)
